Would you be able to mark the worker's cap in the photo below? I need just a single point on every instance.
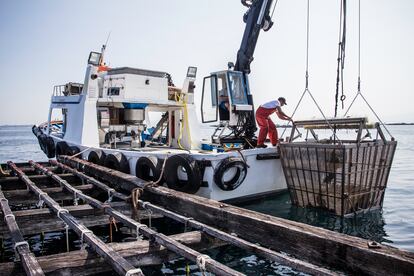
(282, 99)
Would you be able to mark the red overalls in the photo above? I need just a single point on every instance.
(266, 126)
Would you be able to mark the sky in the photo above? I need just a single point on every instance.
(45, 43)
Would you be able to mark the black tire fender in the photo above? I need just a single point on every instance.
(189, 167)
(50, 147)
(42, 142)
(72, 150)
(61, 148)
(236, 180)
(148, 168)
(117, 161)
(97, 157)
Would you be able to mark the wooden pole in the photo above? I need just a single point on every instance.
(29, 262)
(161, 239)
(120, 265)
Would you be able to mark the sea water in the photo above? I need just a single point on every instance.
(393, 225)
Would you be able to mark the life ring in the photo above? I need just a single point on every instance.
(147, 168)
(117, 161)
(182, 173)
(61, 148)
(72, 150)
(50, 147)
(97, 157)
(232, 165)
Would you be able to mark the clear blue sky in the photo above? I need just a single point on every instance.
(44, 43)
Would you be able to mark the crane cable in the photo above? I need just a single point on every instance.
(341, 57)
(307, 83)
(359, 93)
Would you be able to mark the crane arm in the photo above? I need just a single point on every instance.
(256, 18)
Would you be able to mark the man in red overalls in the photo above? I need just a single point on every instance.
(265, 123)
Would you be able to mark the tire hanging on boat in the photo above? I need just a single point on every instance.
(72, 150)
(117, 161)
(147, 168)
(49, 147)
(42, 142)
(61, 148)
(240, 171)
(176, 168)
(97, 157)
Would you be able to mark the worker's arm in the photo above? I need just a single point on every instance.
(282, 115)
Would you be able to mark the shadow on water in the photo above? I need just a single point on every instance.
(368, 225)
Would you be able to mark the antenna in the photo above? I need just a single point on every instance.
(104, 48)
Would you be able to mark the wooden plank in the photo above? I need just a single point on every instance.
(184, 251)
(120, 265)
(316, 245)
(28, 260)
(139, 253)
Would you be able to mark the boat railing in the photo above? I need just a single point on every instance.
(58, 90)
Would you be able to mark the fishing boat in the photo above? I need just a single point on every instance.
(137, 121)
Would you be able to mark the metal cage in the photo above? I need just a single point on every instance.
(341, 176)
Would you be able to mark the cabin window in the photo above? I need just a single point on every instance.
(237, 90)
(113, 91)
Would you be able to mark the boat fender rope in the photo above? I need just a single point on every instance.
(134, 271)
(135, 195)
(201, 261)
(61, 210)
(9, 216)
(79, 153)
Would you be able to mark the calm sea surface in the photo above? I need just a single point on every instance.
(394, 225)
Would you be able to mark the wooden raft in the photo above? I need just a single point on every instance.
(312, 250)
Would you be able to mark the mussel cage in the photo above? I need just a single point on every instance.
(343, 178)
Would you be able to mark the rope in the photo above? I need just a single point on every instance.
(3, 172)
(134, 271)
(359, 93)
(341, 56)
(138, 235)
(87, 231)
(75, 198)
(274, 7)
(67, 236)
(61, 210)
(110, 194)
(112, 221)
(9, 216)
(135, 194)
(307, 80)
(201, 262)
(72, 156)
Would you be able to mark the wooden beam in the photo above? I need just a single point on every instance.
(26, 197)
(138, 253)
(120, 265)
(43, 181)
(269, 254)
(316, 245)
(29, 262)
(182, 250)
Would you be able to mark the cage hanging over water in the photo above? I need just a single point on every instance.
(343, 176)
